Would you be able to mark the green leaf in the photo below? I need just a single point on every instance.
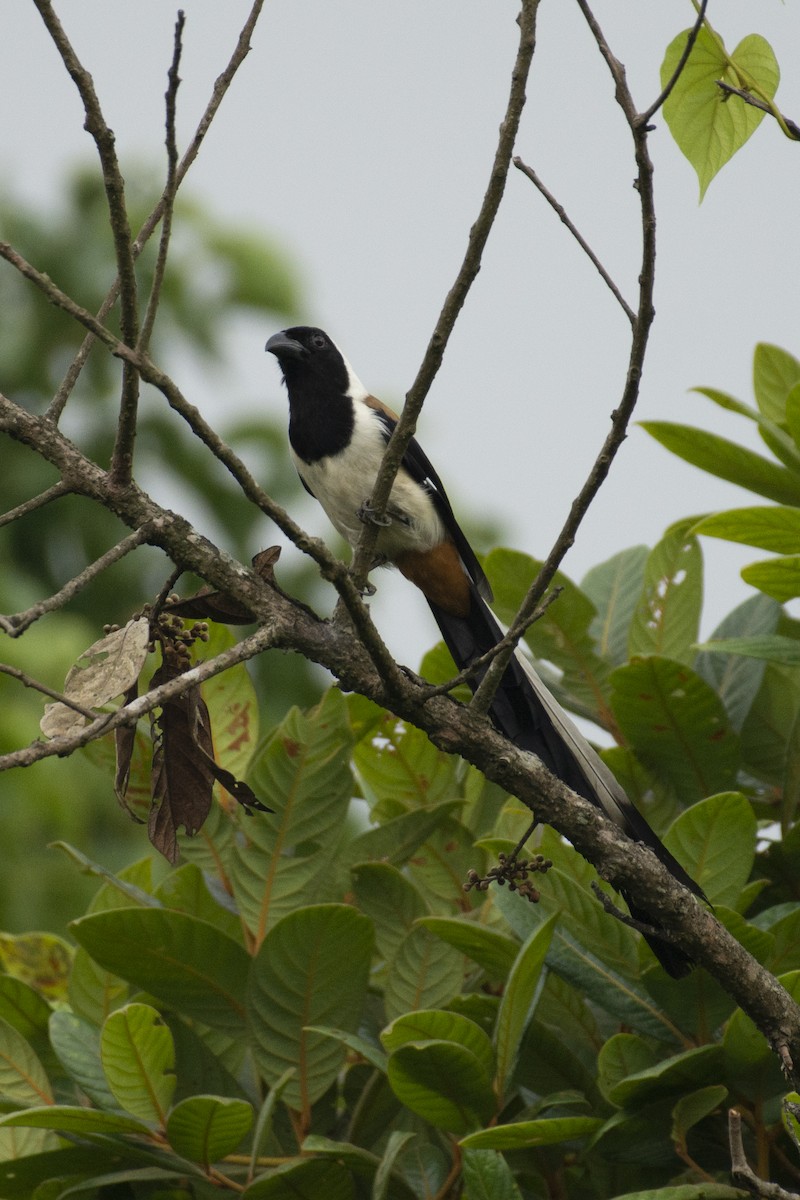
(613, 587)
(622, 1055)
(66, 1118)
(751, 1067)
(769, 647)
(302, 770)
(519, 1001)
(716, 840)
(22, 1076)
(775, 373)
(442, 1082)
(736, 680)
(521, 1135)
(776, 577)
(589, 975)
(674, 1075)
(395, 1144)
(23, 1007)
(707, 127)
(562, 636)
(687, 1191)
(297, 981)
(727, 460)
(352, 1041)
(232, 705)
(77, 1045)
(487, 1176)
(400, 769)
(440, 1025)
(206, 1128)
(494, 952)
(138, 1056)
(677, 725)
(390, 900)
(20, 1177)
(667, 617)
(769, 527)
(186, 963)
(693, 1108)
(303, 1179)
(395, 841)
(767, 731)
(422, 974)
(187, 890)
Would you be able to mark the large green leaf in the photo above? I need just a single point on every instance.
(736, 680)
(675, 1075)
(206, 1128)
(775, 373)
(186, 963)
(303, 772)
(708, 128)
(303, 1179)
(444, 1083)
(138, 1056)
(76, 1119)
(727, 460)
(769, 527)
(77, 1045)
(390, 900)
(232, 706)
(667, 616)
(22, 1079)
(400, 769)
(432, 1024)
(716, 842)
(618, 994)
(523, 1135)
(487, 1176)
(772, 432)
(398, 839)
(493, 951)
(563, 635)
(614, 588)
(677, 725)
(312, 969)
(776, 577)
(770, 722)
(766, 647)
(424, 973)
(520, 995)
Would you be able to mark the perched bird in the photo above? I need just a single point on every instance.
(338, 434)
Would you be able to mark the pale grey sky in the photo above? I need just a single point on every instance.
(360, 134)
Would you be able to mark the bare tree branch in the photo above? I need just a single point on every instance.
(21, 510)
(169, 190)
(791, 127)
(742, 1173)
(455, 298)
(122, 456)
(29, 682)
(645, 313)
(584, 245)
(649, 113)
(16, 624)
(219, 91)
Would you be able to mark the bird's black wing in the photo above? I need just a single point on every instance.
(416, 462)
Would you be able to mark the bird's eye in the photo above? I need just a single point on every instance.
(318, 341)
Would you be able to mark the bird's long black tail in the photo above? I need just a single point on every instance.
(525, 711)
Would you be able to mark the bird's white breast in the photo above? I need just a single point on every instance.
(343, 483)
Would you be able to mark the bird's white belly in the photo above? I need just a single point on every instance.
(343, 483)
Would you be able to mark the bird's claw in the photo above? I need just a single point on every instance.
(369, 516)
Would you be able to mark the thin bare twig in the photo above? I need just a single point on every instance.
(58, 489)
(478, 235)
(630, 394)
(29, 682)
(96, 125)
(169, 190)
(648, 114)
(16, 624)
(742, 1173)
(219, 91)
(748, 98)
(584, 245)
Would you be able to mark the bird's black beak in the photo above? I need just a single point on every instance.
(283, 346)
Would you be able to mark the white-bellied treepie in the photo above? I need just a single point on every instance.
(338, 434)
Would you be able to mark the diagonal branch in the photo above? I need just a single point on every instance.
(584, 245)
(52, 493)
(169, 189)
(454, 301)
(96, 125)
(642, 324)
(694, 32)
(219, 91)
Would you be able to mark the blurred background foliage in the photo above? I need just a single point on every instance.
(217, 275)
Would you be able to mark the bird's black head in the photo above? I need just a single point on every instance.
(309, 359)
